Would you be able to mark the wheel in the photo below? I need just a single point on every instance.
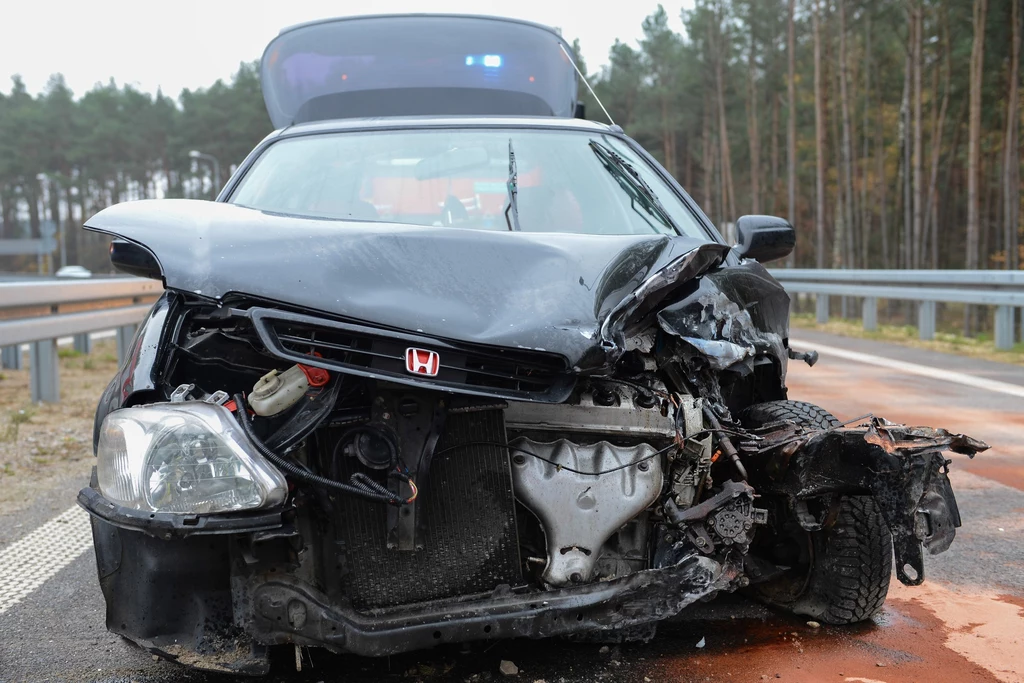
(840, 574)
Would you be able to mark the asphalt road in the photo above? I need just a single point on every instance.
(965, 624)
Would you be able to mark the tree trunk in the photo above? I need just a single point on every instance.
(33, 195)
(819, 144)
(987, 189)
(688, 166)
(974, 132)
(791, 127)
(865, 213)
(946, 203)
(728, 188)
(53, 194)
(847, 146)
(883, 209)
(834, 112)
(916, 12)
(752, 131)
(938, 128)
(1011, 156)
(666, 138)
(71, 231)
(707, 164)
(907, 258)
(774, 187)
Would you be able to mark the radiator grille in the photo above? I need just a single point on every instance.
(505, 372)
(471, 544)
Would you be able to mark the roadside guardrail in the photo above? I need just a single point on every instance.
(1000, 288)
(38, 313)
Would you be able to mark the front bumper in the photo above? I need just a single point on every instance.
(201, 593)
(287, 611)
(168, 525)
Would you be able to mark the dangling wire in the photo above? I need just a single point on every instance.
(360, 484)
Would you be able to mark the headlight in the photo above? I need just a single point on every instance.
(188, 458)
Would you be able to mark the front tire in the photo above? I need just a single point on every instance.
(839, 574)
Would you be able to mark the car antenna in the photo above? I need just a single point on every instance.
(597, 99)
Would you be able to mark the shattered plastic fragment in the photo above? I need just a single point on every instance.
(720, 354)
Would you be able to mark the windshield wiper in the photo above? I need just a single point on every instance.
(513, 190)
(638, 190)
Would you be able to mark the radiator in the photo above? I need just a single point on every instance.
(470, 542)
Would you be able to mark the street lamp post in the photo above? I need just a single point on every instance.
(196, 154)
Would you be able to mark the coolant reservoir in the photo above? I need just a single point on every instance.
(276, 392)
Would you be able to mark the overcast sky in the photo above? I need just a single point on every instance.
(191, 43)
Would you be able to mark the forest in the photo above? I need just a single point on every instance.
(887, 131)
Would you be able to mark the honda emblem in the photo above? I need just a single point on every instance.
(422, 362)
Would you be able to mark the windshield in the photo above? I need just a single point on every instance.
(557, 181)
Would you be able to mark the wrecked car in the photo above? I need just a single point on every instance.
(446, 362)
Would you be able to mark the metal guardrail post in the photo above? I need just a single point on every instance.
(44, 375)
(83, 343)
(124, 341)
(821, 308)
(110, 304)
(869, 313)
(926, 320)
(10, 357)
(1004, 327)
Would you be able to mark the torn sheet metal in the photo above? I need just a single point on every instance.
(902, 467)
(735, 314)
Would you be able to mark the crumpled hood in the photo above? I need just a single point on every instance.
(543, 291)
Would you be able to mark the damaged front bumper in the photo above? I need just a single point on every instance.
(170, 525)
(288, 611)
(902, 467)
(191, 596)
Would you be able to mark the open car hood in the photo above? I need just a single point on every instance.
(541, 291)
(416, 64)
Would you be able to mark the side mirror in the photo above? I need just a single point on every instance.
(135, 259)
(764, 238)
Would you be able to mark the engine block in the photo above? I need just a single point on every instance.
(580, 510)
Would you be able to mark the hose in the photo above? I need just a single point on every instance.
(725, 443)
(361, 485)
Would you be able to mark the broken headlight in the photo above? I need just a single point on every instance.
(188, 458)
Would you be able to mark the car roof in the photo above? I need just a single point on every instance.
(413, 122)
(440, 15)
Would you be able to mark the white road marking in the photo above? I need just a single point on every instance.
(28, 562)
(915, 369)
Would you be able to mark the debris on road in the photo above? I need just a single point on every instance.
(507, 668)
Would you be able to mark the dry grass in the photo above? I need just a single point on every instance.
(981, 346)
(41, 444)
